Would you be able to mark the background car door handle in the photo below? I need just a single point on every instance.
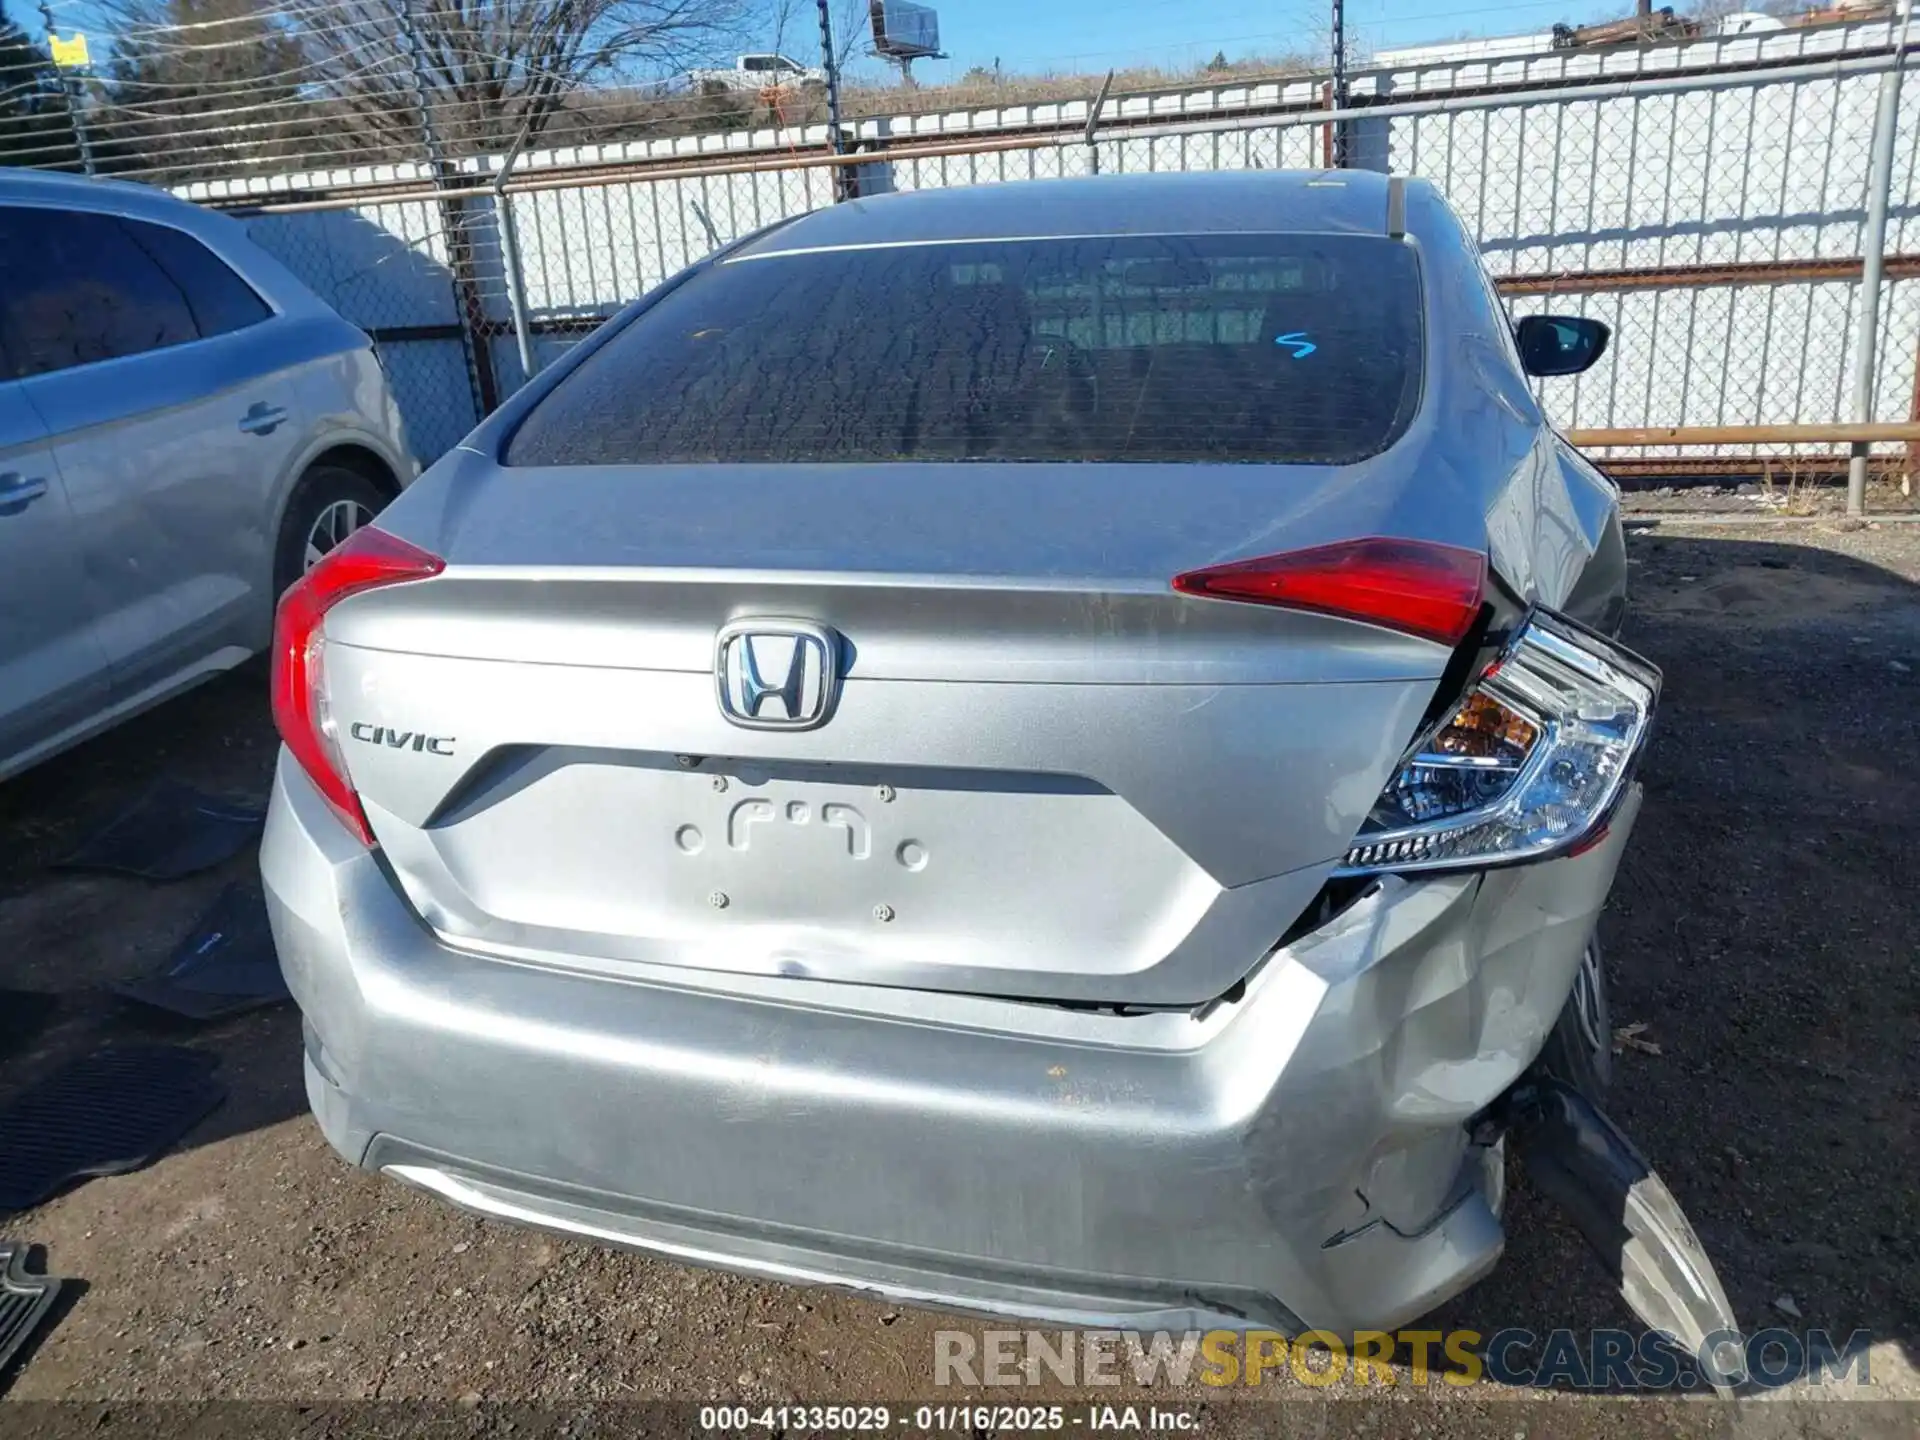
(17, 492)
(262, 418)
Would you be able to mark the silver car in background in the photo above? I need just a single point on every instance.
(184, 427)
(1051, 749)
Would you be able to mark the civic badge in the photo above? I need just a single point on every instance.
(776, 674)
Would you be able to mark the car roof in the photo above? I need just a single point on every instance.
(1168, 202)
(224, 234)
(120, 197)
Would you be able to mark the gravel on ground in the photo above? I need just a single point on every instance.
(1761, 937)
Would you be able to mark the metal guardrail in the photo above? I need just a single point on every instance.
(1865, 434)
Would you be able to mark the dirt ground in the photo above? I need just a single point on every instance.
(1762, 936)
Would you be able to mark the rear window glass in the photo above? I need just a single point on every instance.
(1256, 348)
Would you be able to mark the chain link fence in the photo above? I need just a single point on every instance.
(1717, 228)
(1715, 203)
(388, 267)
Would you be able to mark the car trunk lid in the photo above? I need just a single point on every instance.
(1046, 774)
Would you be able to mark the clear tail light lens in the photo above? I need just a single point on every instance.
(366, 560)
(1529, 765)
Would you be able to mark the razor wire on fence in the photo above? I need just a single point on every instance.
(478, 196)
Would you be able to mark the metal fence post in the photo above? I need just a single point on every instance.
(68, 90)
(466, 293)
(516, 281)
(1873, 259)
(1337, 85)
(843, 177)
(1093, 121)
(422, 103)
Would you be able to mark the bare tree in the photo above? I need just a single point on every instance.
(35, 128)
(195, 87)
(489, 69)
(796, 28)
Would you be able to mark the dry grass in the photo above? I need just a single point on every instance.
(1797, 495)
(981, 90)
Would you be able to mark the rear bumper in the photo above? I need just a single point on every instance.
(1295, 1158)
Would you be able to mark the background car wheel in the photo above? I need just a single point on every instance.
(330, 503)
(1580, 1048)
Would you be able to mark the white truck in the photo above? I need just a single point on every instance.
(760, 72)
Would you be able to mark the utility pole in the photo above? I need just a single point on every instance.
(70, 88)
(454, 227)
(1338, 97)
(844, 187)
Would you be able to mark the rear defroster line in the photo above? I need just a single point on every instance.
(107, 1113)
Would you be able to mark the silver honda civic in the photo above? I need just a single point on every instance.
(1051, 749)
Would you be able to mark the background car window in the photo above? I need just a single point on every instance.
(1288, 349)
(79, 290)
(219, 299)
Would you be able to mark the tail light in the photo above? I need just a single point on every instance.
(1419, 588)
(1529, 765)
(366, 560)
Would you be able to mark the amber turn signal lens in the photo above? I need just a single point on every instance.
(1484, 729)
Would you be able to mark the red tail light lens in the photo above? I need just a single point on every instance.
(1423, 589)
(366, 560)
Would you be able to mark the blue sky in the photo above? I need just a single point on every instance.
(1081, 36)
(1087, 35)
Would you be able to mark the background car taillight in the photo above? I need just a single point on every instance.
(1528, 766)
(1414, 586)
(366, 560)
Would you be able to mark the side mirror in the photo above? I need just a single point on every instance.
(1559, 344)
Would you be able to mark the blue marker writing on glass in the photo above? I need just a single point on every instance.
(1297, 341)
